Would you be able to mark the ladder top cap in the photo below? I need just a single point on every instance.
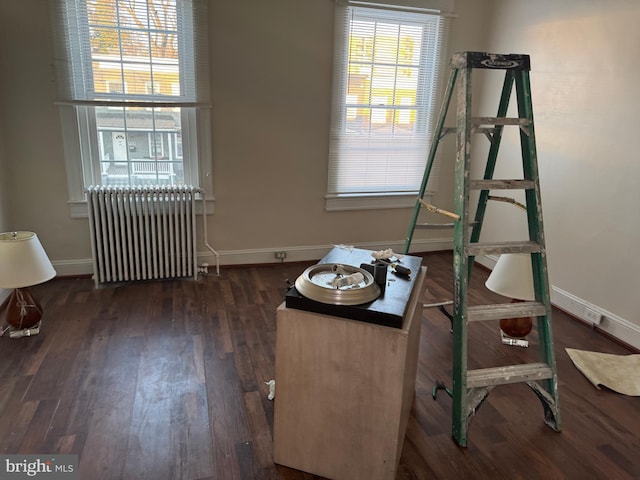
(492, 61)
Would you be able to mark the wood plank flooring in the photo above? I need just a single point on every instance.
(166, 380)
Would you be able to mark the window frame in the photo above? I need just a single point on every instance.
(80, 132)
(335, 199)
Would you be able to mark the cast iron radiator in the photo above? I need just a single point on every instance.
(142, 233)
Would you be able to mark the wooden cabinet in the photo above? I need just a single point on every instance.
(344, 390)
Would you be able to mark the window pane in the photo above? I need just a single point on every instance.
(135, 43)
(140, 145)
(384, 65)
(386, 43)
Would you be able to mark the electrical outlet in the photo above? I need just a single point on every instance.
(280, 255)
(592, 316)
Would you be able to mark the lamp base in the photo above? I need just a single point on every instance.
(517, 342)
(16, 333)
(516, 327)
(20, 310)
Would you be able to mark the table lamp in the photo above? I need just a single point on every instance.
(23, 263)
(512, 277)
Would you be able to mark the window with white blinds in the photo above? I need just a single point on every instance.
(387, 74)
(133, 79)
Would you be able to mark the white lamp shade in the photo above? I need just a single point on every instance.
(23, 261)
(512, 277)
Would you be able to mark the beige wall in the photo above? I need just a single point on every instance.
(31, 131)
(3, 186)
(585, 71)
(4, 225)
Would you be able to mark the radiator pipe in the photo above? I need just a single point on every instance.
(206, 242)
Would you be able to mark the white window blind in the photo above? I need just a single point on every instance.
(387, 76)
(134, 74)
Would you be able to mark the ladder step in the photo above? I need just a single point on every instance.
(499, 311)
(526, 372)
(502, 184)
(522, 122)
(495, 248)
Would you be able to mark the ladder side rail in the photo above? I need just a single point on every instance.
(532, 196)
(437, 136)
(547, 355)
(460, 259)
(536, 232)
(503, 106)
(529, 160)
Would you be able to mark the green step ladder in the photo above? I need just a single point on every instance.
(471, 387)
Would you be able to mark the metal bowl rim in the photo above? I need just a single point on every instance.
(334, 296)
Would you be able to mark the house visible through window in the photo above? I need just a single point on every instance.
(134, 73)
(386, 78)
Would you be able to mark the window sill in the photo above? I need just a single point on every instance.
(336, 203)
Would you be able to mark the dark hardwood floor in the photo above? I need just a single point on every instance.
(166, 380)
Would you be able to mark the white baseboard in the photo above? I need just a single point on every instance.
(84, 266)
(618, 327)
(72, 268)
(313, 252)
(614, 325)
